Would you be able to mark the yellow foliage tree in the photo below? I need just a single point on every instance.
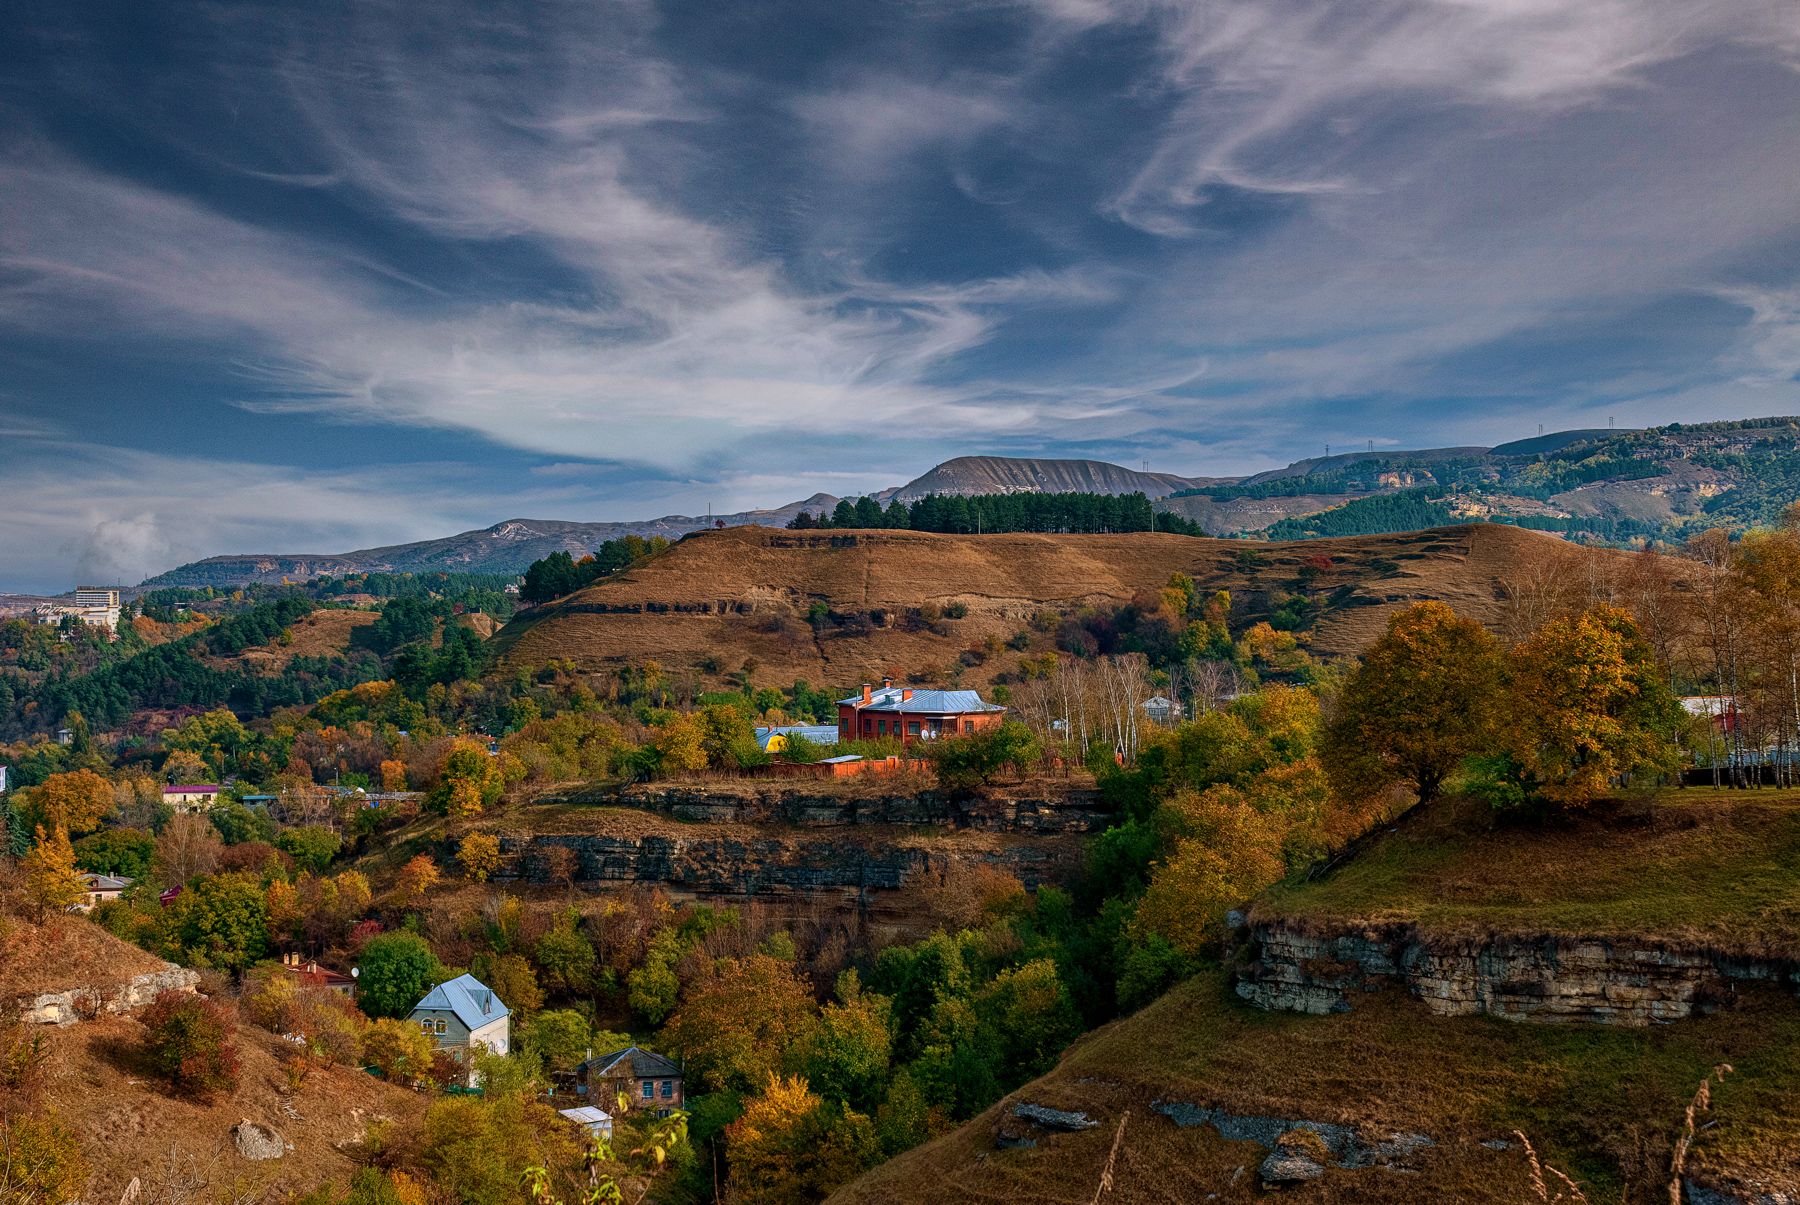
(479, 854)
(791, 1146)
(416, 878)
(50, 878)
(1230, 851)
(680, 745)
(77, 801)
(465, 797)
(399, 1049)
(393, 775)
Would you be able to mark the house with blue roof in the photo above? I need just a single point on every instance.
(909, 716)
(464, 1017)
(775, 739)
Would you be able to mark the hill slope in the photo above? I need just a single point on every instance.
(1425, 1106)
(723, 597)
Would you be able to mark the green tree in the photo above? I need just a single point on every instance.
(739, 1019)
(1426, 696)
(312, 846)
(395, 971)
(219, 921)
(965, 762)
(116, 851)
(846, 1055)
(559, 1036)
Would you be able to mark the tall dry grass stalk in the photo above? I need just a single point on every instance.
(1702, 1101)
(1540, 1188)
(1112, 1157)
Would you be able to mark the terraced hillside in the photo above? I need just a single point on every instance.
(840, 607)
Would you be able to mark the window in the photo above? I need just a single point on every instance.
(649, 1090)
(425, 1025)
(968, 725)
(881, 727)
(443, 1027)
(668, 1089)
(912, 727)
(843, 726)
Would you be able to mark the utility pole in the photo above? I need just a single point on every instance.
(1371, 445)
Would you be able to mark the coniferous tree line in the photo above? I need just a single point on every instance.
(960, 514)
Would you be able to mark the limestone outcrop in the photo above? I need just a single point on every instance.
(1526, 978)
(81, 1003)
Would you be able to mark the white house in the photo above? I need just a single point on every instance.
(465, 1017)
(192, 796)
(99, 888)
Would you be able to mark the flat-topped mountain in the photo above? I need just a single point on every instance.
(1014, 475)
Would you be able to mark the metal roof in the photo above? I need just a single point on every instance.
(817, 734)
(926, 702)
(644, 1064)
(473, 1001)
(587, 1115)
(104, 882)
(190, 788)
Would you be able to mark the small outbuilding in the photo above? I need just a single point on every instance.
(597, 1122)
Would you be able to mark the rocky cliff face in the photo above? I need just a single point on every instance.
(1543, 979)
(1033, 811)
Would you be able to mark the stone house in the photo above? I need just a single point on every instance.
(645, 1080)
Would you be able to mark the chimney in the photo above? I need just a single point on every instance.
(906, 694)
(868, 694)
(887, 684)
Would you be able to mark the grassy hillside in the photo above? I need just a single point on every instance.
(1696, 866)
(882, 598)
(1603, 1103)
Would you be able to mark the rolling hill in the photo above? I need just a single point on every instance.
(1602, 486)
(842, 607)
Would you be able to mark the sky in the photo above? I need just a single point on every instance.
(308, 277)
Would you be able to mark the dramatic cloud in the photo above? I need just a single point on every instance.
(370, 265)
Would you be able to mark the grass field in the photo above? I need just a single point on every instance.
(1706, 866)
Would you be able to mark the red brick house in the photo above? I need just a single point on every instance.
(909, 715)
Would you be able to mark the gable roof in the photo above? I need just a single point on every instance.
(94, 881)
(643, 1064)
(473, 1001)
(926, 702)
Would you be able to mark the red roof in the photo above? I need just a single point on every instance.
(194, 788)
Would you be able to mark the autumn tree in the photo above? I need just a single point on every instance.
(76, 801)
(679, 746)
(792, 1146)
(40, 1161)
(50, 878)
(479, 856)
(740, 1018)
(393, 775)
(401, 1051)
(847, 1054)
(187, 1041)
(1590, 711)
(1427, 695)
(416, 878)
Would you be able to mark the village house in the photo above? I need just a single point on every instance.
(465, 1018)
(645, 1080)
(908, 715)
(309, 973)
(1160, 709)
(99, 889)
(192, 797)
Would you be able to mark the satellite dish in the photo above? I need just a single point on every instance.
(355, 971)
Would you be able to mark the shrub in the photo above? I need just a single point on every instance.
(187, 1041)
(479, 855)
(40, 1161)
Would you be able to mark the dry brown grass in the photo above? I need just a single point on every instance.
(757, 583)
(322, 633)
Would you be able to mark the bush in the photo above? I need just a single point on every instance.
(187, 1041)
(40, 1161)
(396, 970)
(312, 846)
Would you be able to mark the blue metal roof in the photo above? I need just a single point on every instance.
(926, 702)
(818, 734)
(473, 1001)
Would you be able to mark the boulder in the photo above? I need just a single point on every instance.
(258, 1142)
(1054, 1119)
(1299, 1156)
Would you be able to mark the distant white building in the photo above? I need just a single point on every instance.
(99, 889)
(95, 606)
(192, 796)
(1161, 710)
